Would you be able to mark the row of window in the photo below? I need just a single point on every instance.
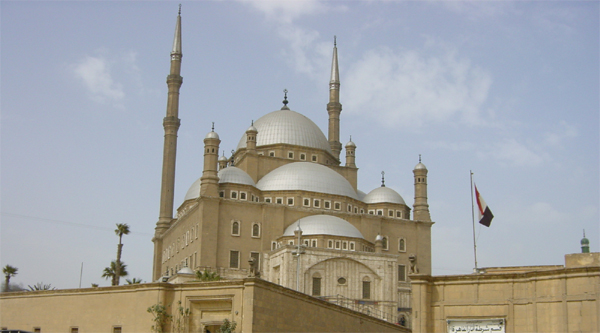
(398, 213)
(291, 155)
(239, 195)
(331, 244)
(185, 262)
(184, 240)
(385, 244)
(234, 258)
(316, 286)
(236, 229)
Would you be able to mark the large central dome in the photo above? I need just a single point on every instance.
(287, 127)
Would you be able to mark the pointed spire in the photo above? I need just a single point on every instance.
(335, 72)
(285, 101)
(177, 38)
(382, 178)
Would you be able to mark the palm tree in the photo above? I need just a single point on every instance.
(134, 281)
(41, 286)
(8, 271)
(109, 272)
(122, 229)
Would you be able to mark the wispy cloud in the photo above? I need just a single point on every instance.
(95, 74)
(408, 89)
(514, 153)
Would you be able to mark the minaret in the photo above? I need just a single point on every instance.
(334, 108)
(585, 244)
(223, 161)
(350, 154)
(421, 208)
(209, 182)
(171, 125)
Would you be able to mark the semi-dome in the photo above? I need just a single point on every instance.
(361, 195)
(287, 127)
(228, 175)
(306, 176)
(383, 194)
(235, 175)
(324, 225)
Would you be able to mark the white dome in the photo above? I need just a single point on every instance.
(420, 166)
(289, 127)
(227, 175)
(212, 135)
(324, 225)
(384, 194)
(306, 176)
(235, 175)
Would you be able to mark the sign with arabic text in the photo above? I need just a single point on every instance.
(482, 325)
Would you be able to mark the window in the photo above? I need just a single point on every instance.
(355, 210)
(352, 246)
(338, 245)
(317, 203)
(380, 212)
(243, 195)
(362, 211)
(314, 158)
(256, 257)
(290, 201)
(372, 212)
(273, 245)
(74, 329)
(401, 272)
(327, 204)
(234, 259)
(366, 290)
(306, 202)
(302, 157)
(235, 228)
(233, 194)
(37, 329)
(316, 286)
(349, 208)
(345, 245)
(390, 212)
(342, 280)
(255, 230)
(306, 242)
(267, 199)
(330, 244)
(313, 243)
(221, 194)
(272, 154)
(399, 214)
(402, 245)
(117, 329)
(279, 200)
(337, 206)
(385, 243)
(291, 242)
(290, 154)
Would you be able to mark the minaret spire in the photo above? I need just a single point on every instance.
(171, 125)
(334, 108)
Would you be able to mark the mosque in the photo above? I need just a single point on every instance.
(286, 206)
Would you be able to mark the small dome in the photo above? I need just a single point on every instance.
(186, 270)
(384, 194)
(251, 129)
(223, 158)
(585, 241)
(324, 225)
(212, 135)
(194, 191)
(306, 176)
(287, 127)
(378, 238)
(235, 175)
(350, 144)
(420, 166)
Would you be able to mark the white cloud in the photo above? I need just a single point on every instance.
(285, 11)
(96, 76)
(557, 137)
(408, 89)
(513, 153)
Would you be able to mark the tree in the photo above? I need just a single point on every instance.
(207, 276)
(41, 286)
(227, 326)
(109, 272)
(8, 271)
(134, 281)
(122, 229)
(161, 317)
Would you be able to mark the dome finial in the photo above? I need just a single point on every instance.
(585, 244)
(382, 178)
(285, 101)
(334, 38)
(419, 158)
(252, 123)
(213, 127)
(179, 9)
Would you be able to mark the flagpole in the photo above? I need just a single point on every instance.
(473, 217)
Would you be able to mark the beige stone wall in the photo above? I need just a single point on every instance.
(255, 305)
(545, 300)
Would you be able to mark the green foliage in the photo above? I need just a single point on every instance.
(207, 276)
(180, 322)
(134, 281)
(109, 272)
(95, 285)
(8, 271)
(161, 317)
(41, 286)
(227, 326)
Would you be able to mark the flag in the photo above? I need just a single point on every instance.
(485, 214)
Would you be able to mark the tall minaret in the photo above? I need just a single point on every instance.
(334, 108)
(171, 124)
(421, 207)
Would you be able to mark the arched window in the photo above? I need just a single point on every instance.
(384, 243)
(366, 288)
(402, 245)
(255, 230)
(235, 228)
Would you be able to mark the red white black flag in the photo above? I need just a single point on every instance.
(485, 214)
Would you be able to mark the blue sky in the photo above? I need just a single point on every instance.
(509, 90)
